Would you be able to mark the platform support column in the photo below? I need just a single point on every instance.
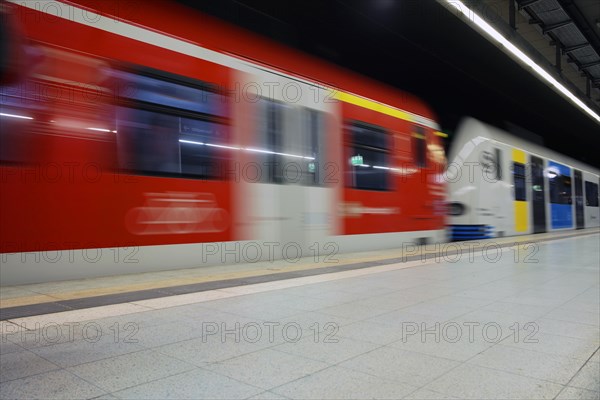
(512, 14)
(558, 58)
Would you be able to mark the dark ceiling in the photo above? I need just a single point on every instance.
(420, 47)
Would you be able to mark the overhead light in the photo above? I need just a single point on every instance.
(190, 142)
(99, 130)
(14, 116)
(250, 149)
(518, 54)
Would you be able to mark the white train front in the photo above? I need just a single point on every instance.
(500, 185)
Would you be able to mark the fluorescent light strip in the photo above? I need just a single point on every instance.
(246, 149)
(190, 142)
(223, 147)
(494, 34)
(14, 116)
(100, 130)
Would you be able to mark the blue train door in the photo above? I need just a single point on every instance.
(538, 197)
(579, 200)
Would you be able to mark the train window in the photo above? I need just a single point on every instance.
(185, 95)
(591, 194)
(170, 125)
(498, 164)
(560, 189)
(519, 178)
(4, 46)
(12, 46)
(291, 144)
(368, 166)
(420, 147)
(270, 146)
(312, 148)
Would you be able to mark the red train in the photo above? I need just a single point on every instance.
(141, 136)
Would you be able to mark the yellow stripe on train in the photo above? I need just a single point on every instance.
(521, 216)
(372, 105)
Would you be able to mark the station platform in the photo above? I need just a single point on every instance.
(510, 318)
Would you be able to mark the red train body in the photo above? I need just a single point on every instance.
(152, 131)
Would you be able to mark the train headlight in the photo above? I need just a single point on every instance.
(456, 208)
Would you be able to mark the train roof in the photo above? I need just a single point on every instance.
(180, 22)
(471, 128)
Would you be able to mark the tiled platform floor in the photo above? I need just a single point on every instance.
(472, 327)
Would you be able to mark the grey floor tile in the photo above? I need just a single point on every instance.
(425, 394)
(196, 315)
(496, 325)
(534, 299)
(533, 312)
(533, 364)
(421, 293)
(588, 378)
(590, 306)
(52, 334)
(454, 342)
(195, 384)
(475, 382)
(369, 331)
(353, 310)
(403, 366)
(402, 319)
(203, 351)
(340, 383)
(267, 368)
(144, 319)
(268, 396)
(21, 364)
(577, 316)
(8, 347)
(329, 350)
(571, 393)
(311, 321)
(390, 302)
(447, 307)
(482, 293)
(79, 352)
(552, 344)
(50, 385)
(121, 372)
(266, 312)
(306, 303)
(159, 335)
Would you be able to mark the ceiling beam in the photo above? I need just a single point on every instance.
(527, 3)
(550, 28)
(575, 47)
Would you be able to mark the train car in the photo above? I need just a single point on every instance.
(144, 136)
(500, 185)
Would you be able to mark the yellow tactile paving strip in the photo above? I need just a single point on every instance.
(13, 296)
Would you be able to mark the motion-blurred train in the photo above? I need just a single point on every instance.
(143, 136)
(500, 185)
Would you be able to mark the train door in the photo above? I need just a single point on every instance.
(538, 195)
(282, 201)
(578, 200)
